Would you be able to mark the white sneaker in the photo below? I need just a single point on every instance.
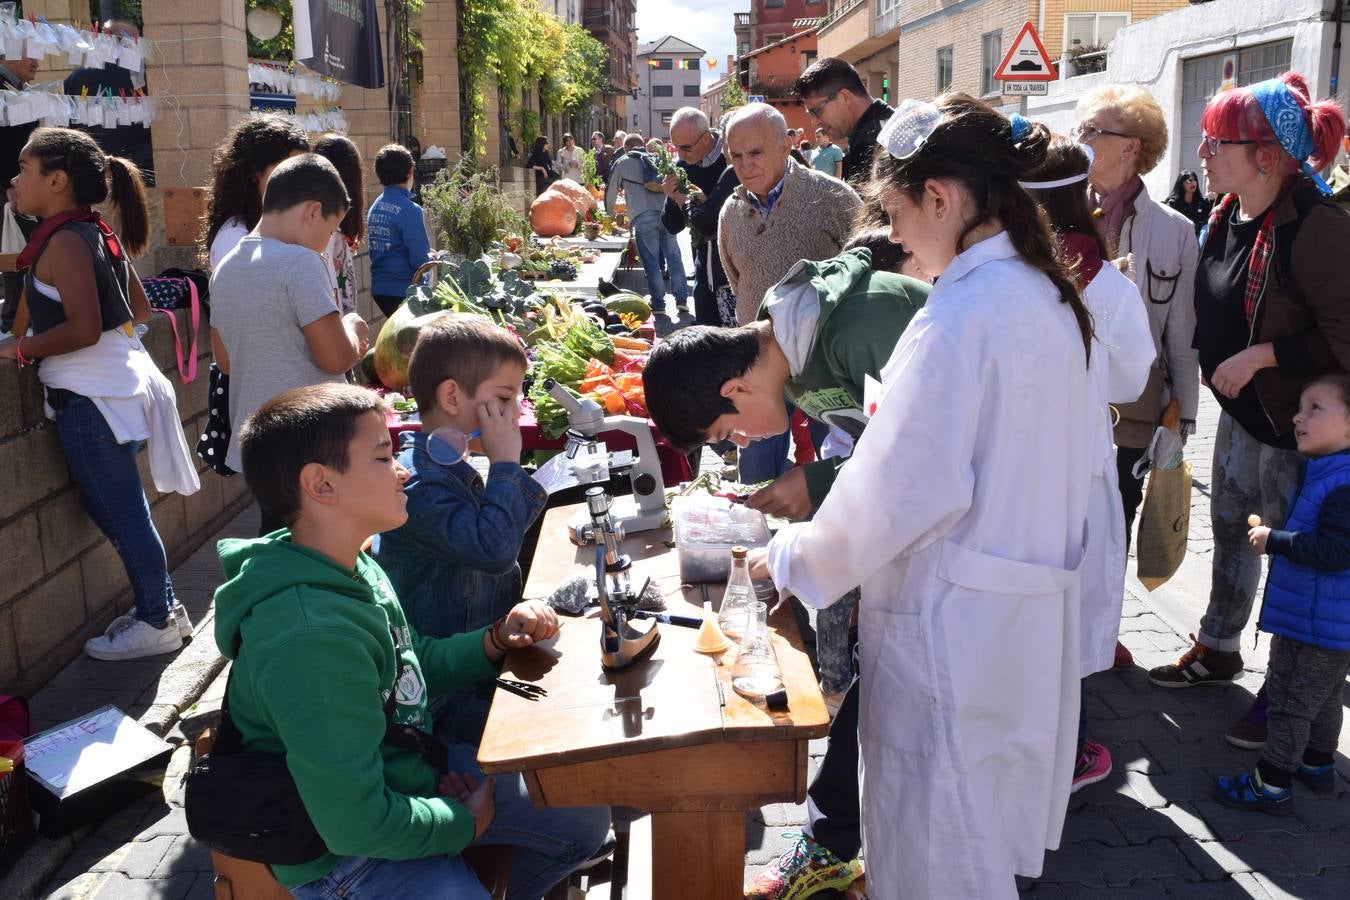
(128, 638)
(179, 616)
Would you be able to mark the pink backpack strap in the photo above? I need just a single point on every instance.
(187, 371)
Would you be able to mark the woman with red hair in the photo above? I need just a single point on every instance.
(1272, 312)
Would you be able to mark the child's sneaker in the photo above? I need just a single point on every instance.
(1248, 791)
(1320, 780)
(178, 615)
(1094, 764)
(1246, 735)
(132, 639)
(802, 871)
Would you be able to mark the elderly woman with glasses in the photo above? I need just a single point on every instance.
(1155, 246)
(1272, 312)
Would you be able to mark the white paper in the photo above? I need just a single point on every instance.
(130, 57)
(871, 395)
(79, 754)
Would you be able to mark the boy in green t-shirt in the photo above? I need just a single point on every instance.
(320, 643)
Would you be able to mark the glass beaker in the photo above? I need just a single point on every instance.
(737, 597)
(755, 672)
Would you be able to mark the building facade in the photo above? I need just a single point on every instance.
(669, 72)
(865, 33)
(1180, 58)
(611, 23)
(773, 20)
(771, 72)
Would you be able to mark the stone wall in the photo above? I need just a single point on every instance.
(63, 580)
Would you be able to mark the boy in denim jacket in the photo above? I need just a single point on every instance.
(453, 564)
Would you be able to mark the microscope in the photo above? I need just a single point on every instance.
(591, 463)
(623, 637)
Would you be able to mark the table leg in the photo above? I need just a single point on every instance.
(698, 854)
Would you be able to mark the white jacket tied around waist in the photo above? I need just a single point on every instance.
(1122, 352)
(135, 399)
(963, 516)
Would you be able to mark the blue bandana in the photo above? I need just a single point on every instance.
(1290, 124)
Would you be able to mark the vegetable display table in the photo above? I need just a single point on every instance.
(589, 276)
(667, 735)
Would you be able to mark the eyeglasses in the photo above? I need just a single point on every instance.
(689, 148)
(815, 111)
(1210, 144)
(1088, 133)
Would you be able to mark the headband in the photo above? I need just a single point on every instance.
(1062, 182)
(1289, 120)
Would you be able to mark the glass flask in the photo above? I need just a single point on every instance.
(740, 593)
(755, 673)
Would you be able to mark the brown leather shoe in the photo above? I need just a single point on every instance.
(1198, 665)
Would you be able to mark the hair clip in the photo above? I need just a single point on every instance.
(1020, 126)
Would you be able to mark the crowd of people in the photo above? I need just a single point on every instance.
(984, 322)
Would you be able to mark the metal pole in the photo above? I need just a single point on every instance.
(1336, 49)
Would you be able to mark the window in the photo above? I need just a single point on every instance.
(773, 39)
(888, 16)
(665, 118)
(691, 90)
(944, 69)
(991, 54)
(1092, 29)
(664, 64)
(692, 63)
(1263, 62)
(773, 3)
(663, 90)
(743, 49)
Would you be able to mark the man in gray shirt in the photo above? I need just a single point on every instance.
(635, 174)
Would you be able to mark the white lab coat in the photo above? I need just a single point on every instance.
(1122, 352)
(963, 516)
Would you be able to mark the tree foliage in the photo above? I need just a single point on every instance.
(732, 95)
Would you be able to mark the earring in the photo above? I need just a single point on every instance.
(1262, 173)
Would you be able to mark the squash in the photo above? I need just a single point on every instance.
(394, 346)
(553, 214)
(580, 196)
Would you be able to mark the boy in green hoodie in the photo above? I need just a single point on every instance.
(822, 334)
(320, 643)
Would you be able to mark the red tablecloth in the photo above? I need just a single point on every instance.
(674, 464)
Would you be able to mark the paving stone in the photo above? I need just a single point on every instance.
(1131, 756)
(204, 888)
(125, 824)
(1234, 824)
(763, 844)
(165, 820)
(1112, 681)
(1130, 705)
(1216, 860)
(92, 855)
(1122, 865)
(1042, 890)
(1312, 853)
(1117, 732)
(1093, 823)
(120, 887)
(1143, 889)
(143, 857)
(1146, 621)
(1180, 820)
(185, 855)
(1333, 884)
(1072, 865)
(1238, 887)
(1174, 756)
(783, 815)
(80, 887)
(1322, 813)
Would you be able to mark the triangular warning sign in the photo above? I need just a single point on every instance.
(1027, 60)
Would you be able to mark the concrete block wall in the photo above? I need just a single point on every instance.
(63, 581)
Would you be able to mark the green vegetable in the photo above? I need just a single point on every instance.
(552, 418)
(555, 361)
(589, 341)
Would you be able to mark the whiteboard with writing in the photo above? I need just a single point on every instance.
(81, 753)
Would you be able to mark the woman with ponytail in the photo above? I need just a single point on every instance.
(1122, 354)
(102, 388)
(1272, 312)
(963, 516)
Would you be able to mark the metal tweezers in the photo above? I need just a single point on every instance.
(522, 689)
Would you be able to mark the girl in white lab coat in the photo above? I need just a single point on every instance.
(963, 515)
(1122, 352)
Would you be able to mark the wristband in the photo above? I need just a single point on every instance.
(18, 354)
(492, 635)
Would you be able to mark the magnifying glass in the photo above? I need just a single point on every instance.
(448, 445)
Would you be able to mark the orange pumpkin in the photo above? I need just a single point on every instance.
(580, 196)
(553, 214)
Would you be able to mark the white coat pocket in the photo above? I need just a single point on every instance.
(898, 704)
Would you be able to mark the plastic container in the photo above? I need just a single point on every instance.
(15, 827)
(706, 528)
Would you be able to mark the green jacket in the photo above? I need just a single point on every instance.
(837, 321)
(315, 659)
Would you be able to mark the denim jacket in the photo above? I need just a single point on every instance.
(453, 563)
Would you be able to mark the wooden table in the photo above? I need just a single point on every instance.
(589, 275)
(667, 735)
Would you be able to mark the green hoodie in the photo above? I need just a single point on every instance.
(315, 659)
(837, 321)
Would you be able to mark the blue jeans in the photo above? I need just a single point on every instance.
(548, 845)
(764, 460)
(110, 486)
(653, 242)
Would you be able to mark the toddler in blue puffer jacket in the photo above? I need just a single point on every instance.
(1307, 610)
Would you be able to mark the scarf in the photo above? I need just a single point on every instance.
(1258, 264)
(50, 225)
(1288, 119)
(1114, 208)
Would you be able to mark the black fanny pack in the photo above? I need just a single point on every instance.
(244, 803)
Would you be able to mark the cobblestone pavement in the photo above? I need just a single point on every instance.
(1150, 830)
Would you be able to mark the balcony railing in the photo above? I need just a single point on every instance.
(742, 20)
(841, 9)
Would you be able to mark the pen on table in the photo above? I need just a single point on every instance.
(668, 619)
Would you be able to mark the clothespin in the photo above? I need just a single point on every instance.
(84, 92)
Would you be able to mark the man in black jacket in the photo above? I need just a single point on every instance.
(835, 97)
(699, 148)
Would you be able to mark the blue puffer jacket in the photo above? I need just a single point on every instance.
(1301, 603)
